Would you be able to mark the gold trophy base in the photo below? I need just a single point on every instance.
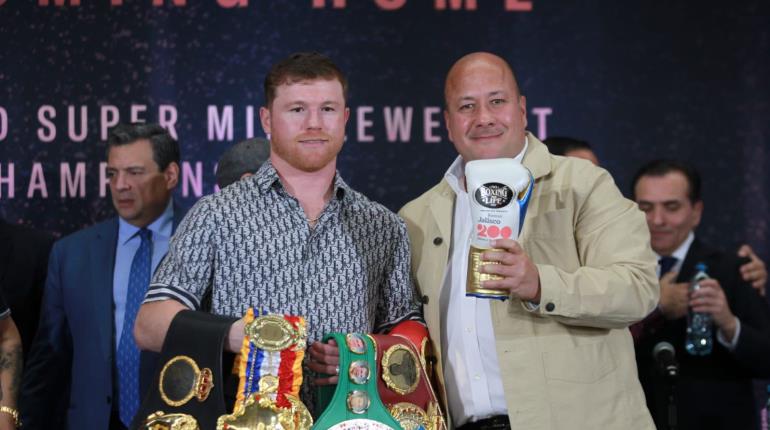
(473, 285)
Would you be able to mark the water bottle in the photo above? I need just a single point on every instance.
(699, 340)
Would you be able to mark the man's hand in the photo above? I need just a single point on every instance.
(754, 271)
(235, 336)
(673, 296)
(711, 299)
(325, 358)
(520, 274)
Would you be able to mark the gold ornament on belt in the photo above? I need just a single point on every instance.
(162, 421)
(259, 412)
(181, 379)
(413, 417)
(400, 369)
(270, 371)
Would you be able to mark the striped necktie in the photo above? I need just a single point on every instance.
(128, 353)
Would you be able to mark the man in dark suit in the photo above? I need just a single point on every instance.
(715, 390)
(84, 368)
(753, 270)
(23, 262)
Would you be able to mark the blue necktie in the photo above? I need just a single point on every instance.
(666, 264)
(128, 353)
(655, 319)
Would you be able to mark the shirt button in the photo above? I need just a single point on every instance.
(477, 377)
(438, 241)
(468, 329)
(550, 307)
(424, 300)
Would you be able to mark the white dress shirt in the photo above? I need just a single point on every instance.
(471, 370)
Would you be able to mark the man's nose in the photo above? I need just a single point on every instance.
(121, 182)
(657, 216)
(484, 116)
(313, 120)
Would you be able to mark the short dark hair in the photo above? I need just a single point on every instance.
(165, 149)
(243, 157)
(662, 167)
(302, 66)
(561, 145)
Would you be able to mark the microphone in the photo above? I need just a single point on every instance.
(665, 357)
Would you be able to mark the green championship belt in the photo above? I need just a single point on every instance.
(354, 403)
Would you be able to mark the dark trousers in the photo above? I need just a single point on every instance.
(115, 422)
(497, 422)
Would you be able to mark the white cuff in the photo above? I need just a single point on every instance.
(734, 342)
(531, 306)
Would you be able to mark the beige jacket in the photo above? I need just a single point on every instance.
(570, 363)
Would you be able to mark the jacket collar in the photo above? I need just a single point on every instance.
(537, 159)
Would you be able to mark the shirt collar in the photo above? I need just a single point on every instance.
(455, 175)
(162, 226)
(267, 177)
(681, 252)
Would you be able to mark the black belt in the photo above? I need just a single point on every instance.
(497, 422)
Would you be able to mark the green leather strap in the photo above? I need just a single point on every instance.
(337, 399)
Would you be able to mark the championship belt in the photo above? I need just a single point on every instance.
(404, 385)
(188, 385)
(354, 403)
(270, 371)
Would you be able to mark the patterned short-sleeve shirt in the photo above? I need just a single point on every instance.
(250, 245)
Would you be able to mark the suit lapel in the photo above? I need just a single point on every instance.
(103, 263)
(441, 208)
(694, 256)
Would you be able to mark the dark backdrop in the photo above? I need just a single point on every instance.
(637, 79)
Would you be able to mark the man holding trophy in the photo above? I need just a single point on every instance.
(554, 238)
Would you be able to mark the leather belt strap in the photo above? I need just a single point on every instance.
(189, 376)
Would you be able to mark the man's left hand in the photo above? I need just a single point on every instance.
(520, 275)
(754, 271)
(710, 298)
(325, 358)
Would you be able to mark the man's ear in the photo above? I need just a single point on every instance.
(264, 118)
(172, 175)
(697, 211)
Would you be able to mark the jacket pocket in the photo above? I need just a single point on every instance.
(583, 388)
(582, 364)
